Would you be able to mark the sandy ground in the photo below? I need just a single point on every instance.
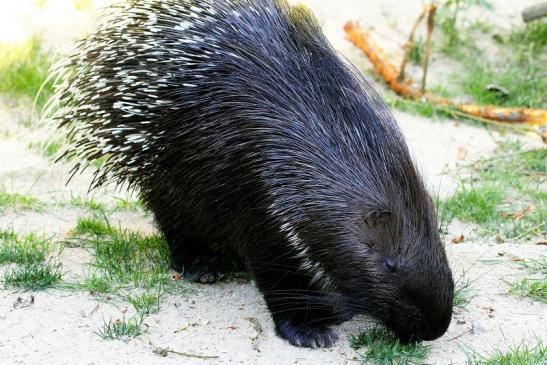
(59, 327)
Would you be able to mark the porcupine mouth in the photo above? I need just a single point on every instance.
(416, 327)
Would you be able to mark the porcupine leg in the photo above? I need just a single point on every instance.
(192, 257)
(190, 253)
(301, 314)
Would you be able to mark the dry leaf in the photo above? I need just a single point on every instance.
(518, 215)
(462, 153)
(542, 242)
(458, 239)
(515, 258)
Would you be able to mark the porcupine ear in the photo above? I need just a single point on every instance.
(375, 218)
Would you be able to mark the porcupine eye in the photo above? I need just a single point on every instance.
(390, 266)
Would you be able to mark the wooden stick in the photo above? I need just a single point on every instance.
(410, 43)
(430, 24)
(389, 73)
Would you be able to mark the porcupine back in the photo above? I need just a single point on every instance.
(229, 97)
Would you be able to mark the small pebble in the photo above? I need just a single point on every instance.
(477, 328)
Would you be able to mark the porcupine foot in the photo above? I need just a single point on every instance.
(198, 269)
(306, 335)
(193, 258)
(301, 313)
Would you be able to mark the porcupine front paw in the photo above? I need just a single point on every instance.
(199, 270)
(306, 335)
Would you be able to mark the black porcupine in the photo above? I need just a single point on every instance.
(238, 124)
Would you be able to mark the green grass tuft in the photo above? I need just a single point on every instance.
(90, 204)
(128, 205)
(448, 21)
(131, 258)
(18, 202)
(29, 249)
(122, 329)
(36, 276)
(503, 194)
(383, 348)
(522, 80)
(93, 226)
(533, 35)
(518, 355)
(535, 266)
(147, 302)
(535, 289)
(131, 266)
(24, 68)
(474, 203)
(417, 51)
(534, 285)
(508, 72)
(95, 284)
(463, 294)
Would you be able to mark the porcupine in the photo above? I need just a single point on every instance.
(238, 123)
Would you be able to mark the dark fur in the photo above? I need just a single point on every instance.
(265, 142)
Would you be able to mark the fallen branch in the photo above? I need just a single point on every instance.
(258, 328)
(410, 43)
(431, 10)
(389, 74)
(163, 353)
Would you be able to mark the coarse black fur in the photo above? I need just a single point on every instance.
(240, 126)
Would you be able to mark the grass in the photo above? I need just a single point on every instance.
(463, 294)
(535, 266)
(35, 276)
(92, 226)
(517, 355)
(94, 284)
(503, 194)
(131, 266)
(122, 329)
(416, 55)
(535, 289)
(533, 35)
(90, 204)
(18, 202)
(507, 72)
(24, 68)
(29, 249)
(147, 302)
(25, 75)
(382, 348)
(448, 19)
(534, 285)
(514, 78)
(49, 147)
(28, 253)
(100, 208)
(522, 80)
(475, 203)
(128, 205)
(131, 258)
